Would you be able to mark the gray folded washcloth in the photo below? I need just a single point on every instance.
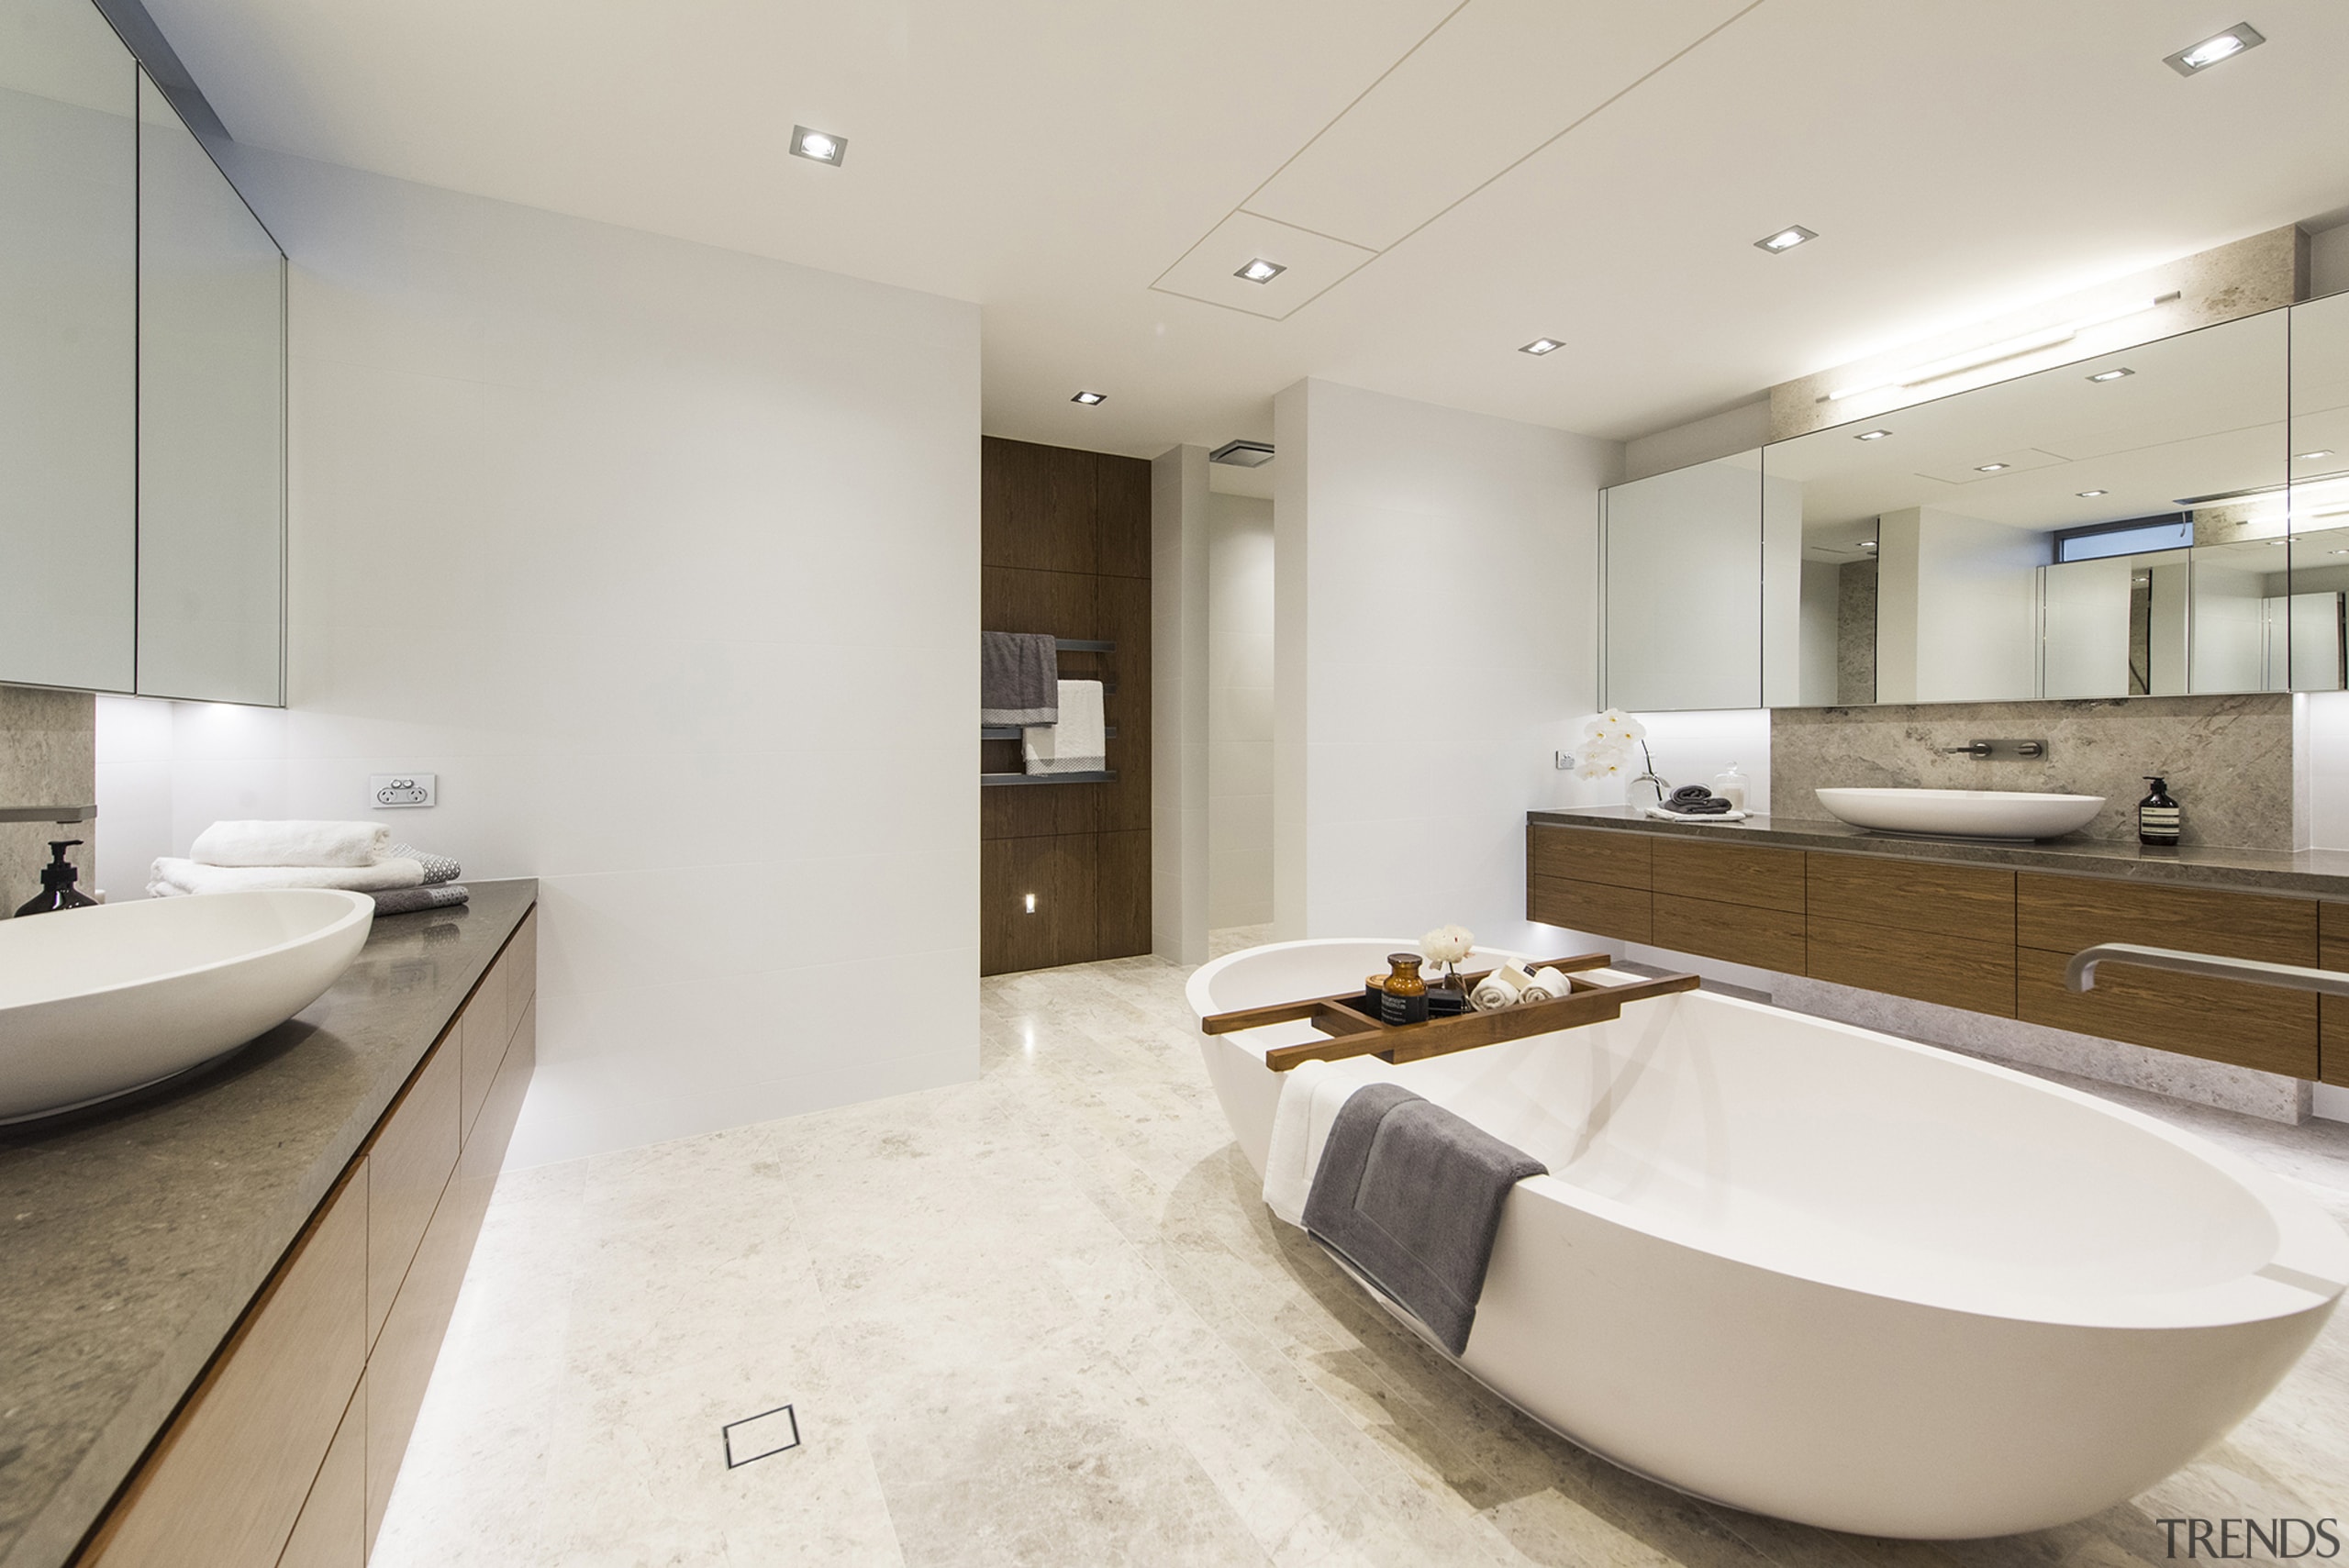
(1695, 800)
(1410, 1194)
(1019, 675)
(438, 868)
(409, 900)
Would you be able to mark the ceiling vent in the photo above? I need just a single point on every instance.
(1242, 454)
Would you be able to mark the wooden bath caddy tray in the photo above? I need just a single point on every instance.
(1355, 1032)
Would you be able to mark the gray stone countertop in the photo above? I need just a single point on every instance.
(2308, 874)
(133, 1235)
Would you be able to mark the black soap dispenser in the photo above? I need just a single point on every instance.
(2157, 817)
(56, 889)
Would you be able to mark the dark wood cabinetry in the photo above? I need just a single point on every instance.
(1065, 548)
(1984, 938)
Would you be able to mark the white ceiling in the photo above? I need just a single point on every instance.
(1454, 179)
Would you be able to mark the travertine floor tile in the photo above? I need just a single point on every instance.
(1041, 1318)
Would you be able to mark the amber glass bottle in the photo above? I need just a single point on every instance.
(1405, 999)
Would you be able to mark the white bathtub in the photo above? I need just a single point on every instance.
(1819, 1272)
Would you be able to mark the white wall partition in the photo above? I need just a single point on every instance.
(1239, 710)
(666, 558)
(1434, 644)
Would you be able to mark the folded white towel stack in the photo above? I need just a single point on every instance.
(174, 877)
(1077, 744)
(291, 844)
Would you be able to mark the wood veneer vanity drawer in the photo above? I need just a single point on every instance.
(480, 1034)
(332, 1531)
(2064, 914)
(227, 1483)
(2219, 1020)
(1766, 939)
(1602, 910)
(1756, 876)
(1954, 970)
(1589, 854)
(414, 1151)
(1973, 902)
(2333, 1012)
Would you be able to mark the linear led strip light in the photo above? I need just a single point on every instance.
(1994, 353)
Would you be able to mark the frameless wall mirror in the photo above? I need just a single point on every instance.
(2319, 495)
(69, 152)
(211, 426)
(1683, 580)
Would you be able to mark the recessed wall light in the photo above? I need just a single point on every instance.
(1867, 544)
(2090, 495)
(2311, 457)
(2337, 552)
(2113, 374)
(2212, 49)
(1871, 435)
(1031, 904)
(818, 146)
(1260, 271)
(1785, 239)
(1994, 468)
(1090, 398)
(1541, 346)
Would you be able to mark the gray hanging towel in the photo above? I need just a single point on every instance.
(1410, 1194)
(1019, 675)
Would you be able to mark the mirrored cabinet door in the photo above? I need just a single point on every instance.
(1683, 584)
(2319, 494)
(69, 374)
(211, 426)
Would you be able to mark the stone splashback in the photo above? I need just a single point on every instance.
(2228, 759)
(48, 757)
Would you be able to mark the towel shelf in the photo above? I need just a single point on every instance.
(1011, 732)
(1080, 645)
(992, 781)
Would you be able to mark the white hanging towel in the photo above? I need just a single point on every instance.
(1075, 745)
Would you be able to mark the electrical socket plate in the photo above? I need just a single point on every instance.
(387, 792)
(1564, 759)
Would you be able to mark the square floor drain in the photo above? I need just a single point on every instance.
(761, 1436)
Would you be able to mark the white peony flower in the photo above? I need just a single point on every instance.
(1448, 944)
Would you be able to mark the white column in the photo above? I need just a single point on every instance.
(1179, 705)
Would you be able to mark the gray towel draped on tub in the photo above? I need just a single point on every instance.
(1410, 1194)
(1019, 675)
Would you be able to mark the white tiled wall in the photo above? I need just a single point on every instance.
(1239, 710)
(1434, 646)
(665, 560)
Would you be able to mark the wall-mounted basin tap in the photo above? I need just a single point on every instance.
(1999, 751)
(67, 814)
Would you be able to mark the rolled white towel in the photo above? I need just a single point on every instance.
(1547, 985)
(1494, 994)
(291, 844)
(174, 877)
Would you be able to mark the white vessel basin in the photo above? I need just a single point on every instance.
(96, 1003)
(1963, 813)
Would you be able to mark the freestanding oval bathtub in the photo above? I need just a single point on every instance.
(1819, 1272)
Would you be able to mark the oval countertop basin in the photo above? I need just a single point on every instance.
(96, 1003)
(1963, 813)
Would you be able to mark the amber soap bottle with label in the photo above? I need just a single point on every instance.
(1405, 998)
(2157, 817)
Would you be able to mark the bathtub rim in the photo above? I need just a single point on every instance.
(2306, 1269)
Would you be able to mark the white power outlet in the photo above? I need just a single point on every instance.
(1564, 759)
(387, 792)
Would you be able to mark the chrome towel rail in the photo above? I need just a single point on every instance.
(2080, 974)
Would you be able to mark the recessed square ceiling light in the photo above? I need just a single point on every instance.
(2113, 374)
(1785, 238)
(2210, 50)
(2311, 457)
(1242, 454)
(1541, 346)
(1090, 398)
(818, 146)
(2090, 495)
(1260, 271)
(1871, 435)
(1994, 468)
